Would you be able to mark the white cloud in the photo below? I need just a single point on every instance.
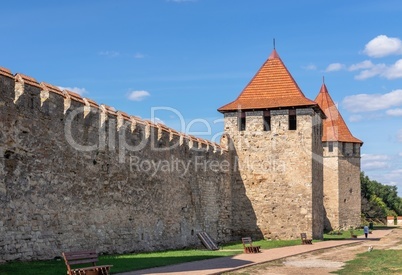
(376, 69)
(113, 54)
(374, 102)
(367, 64)
(355, 118)
(399, 135)
(310, 67)
(334, 67)
(394, 175)
(371, 157)
(394, 71)
(374, 162)
(109, 53)
(382, 46)
(138, 95)
(370, 70)
(374, 165)
(394, 112)
(181, 1)
(387, 164)
(80, 91)
(379, 47)
(139, 55)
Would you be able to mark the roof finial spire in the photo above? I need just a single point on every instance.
(323, 79)
(274, 43)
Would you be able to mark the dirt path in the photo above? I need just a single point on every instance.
(325, 261)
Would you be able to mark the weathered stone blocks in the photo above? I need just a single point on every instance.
(281, 173)
(70, 178)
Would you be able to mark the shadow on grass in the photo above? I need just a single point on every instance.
(346, 234)
(385, 227)
(122, 263)
(174, 264)
(37, 268)
(133, 262)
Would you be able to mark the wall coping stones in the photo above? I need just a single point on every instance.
(47, 88)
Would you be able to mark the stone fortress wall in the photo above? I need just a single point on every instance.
(76, 175)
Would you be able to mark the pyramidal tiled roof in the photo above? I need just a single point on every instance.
(334, 127)
(272, 87)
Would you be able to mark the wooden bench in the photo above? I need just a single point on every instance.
(304, 239)
(248, 246)
(84, 257)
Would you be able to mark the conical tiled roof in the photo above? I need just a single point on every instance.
(334, 127)
(272, 87)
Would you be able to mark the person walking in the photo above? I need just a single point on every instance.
(366, 230)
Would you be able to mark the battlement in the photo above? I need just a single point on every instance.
(76, 174)
(23, 82)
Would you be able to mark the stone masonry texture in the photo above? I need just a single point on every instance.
(68, 183)
(281, 172)
(342, 198)
(75, 175)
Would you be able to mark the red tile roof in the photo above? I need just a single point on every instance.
(334, 127)
(272, 87)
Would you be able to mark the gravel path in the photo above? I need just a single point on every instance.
(323, 261)
(319, 258)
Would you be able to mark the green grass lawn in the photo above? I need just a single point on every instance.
(263, 243)
(344, 235)
(130, 262)
(121, 263)
(374, 262)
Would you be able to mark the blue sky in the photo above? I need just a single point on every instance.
(183, 59)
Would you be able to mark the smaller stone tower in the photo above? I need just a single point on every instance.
(341, 159)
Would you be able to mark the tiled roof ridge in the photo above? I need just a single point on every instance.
(255, 75)
(330, 118)
(275, 55)
(46, 88)
(266, 89)
(251, 80)
(334, 122)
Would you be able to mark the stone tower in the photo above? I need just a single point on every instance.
(341, 158)
(275, 133)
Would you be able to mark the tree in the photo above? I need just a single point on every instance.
(379, 200)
